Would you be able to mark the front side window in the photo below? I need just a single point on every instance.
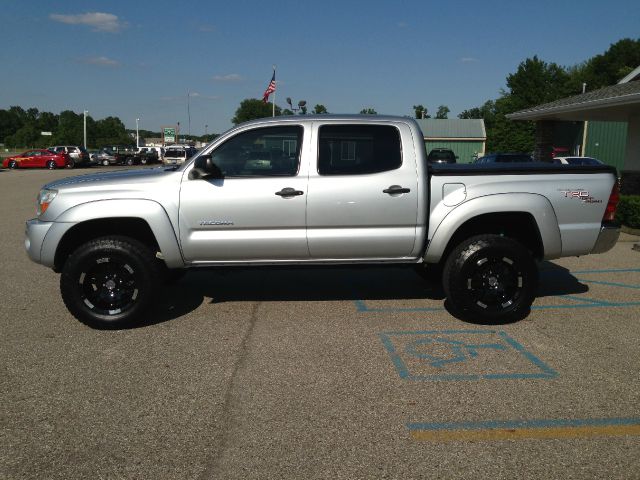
(358, 149)
(271, 151)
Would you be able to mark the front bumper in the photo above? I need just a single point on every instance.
(35, 233)
(607, 238)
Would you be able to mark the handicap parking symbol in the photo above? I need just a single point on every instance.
(462, 355)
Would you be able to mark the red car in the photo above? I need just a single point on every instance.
(38, 159)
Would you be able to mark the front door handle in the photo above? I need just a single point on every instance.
(394, 189)
(289, 192)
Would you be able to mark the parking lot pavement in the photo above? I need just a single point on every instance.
(319, 373)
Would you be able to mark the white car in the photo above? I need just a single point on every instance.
(177, 154)
(79, 156)
(577, 161)
(150, 154)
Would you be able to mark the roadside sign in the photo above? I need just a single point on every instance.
(46, 133)
(169, 134)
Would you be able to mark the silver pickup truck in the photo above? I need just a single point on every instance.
(323, 190)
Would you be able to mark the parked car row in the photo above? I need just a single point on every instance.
(65, 156)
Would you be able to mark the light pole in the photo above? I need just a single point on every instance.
(85, 128)
(137, 134)
(301, 105)
(189, 113)
(178, 132)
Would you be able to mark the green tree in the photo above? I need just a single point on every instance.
(318, 109)
(443, 112)
(368, 111)
(108, 131)
(614, 64)
(421, 111)
(252, 108)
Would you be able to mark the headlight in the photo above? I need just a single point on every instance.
(45, 197)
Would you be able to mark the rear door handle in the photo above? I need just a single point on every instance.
(289, 192)
(394, 189)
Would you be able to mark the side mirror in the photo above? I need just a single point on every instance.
(204, 167)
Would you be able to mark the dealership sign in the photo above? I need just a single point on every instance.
(169, 134)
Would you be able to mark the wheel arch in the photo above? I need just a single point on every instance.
(150, 225)
(527, 218)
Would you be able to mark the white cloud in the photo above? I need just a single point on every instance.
(100, 61)
(99, 22)
(231, 77)
(469, 60)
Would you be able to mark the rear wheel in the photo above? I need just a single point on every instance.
(105, 162)
(109, 282)
(51, 165)
(491, 279)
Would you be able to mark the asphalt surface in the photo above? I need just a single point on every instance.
(318, 373)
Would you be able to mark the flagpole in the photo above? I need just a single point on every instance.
(273, 102)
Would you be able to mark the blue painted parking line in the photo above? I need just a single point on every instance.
(611, 284)
(457, 355)
(574, 302)
(524, 429)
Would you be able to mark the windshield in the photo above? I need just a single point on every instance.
(175, 154)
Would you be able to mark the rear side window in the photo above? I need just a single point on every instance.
(358, 149)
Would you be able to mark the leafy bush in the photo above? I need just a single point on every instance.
(628, 212)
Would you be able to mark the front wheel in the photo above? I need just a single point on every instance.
(51, 165)
(13, 164)
(129, 161)
(105, 162)
(490, 278)
(109, 282)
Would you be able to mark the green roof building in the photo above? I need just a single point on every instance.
(466, 137)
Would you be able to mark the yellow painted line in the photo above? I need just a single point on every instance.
(523, 433)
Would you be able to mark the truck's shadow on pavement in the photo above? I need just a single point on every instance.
(282, 284)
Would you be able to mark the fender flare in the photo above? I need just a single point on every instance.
(151, 212)
(538, 206)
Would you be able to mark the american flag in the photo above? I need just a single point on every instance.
(270, 89)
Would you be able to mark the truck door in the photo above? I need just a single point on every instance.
(362, 201)
(255, 209)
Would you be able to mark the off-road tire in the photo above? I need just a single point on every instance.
(490, 278)
(109, 282)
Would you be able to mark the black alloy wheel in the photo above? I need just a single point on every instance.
(108, 282)
(13, 164)
(51, 165)
(491, 278)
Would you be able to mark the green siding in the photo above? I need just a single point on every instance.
(465, 150)
(607, 142)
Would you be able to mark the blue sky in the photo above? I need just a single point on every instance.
(140, 59)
